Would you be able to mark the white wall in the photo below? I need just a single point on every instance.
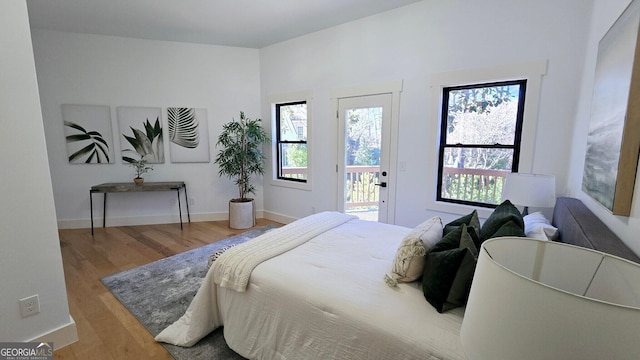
(605, 13)
(114, 71)
(30, 261)
(412, 44)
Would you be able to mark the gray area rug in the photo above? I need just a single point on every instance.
(157, 294)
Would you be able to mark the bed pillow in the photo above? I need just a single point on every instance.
(471, 220)
(449, 269)
(537, 226)
(408, 262)
(538, 234)
(474, 236)
(429, 232)
(510, 228)
(504, 213)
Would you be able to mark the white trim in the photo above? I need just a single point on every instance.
(394, 88)
(532, 71)
(458, 209)
(146, 220)
(62, 336)
(293, 184)
(277, 217)
(286, 98)
(393, 154)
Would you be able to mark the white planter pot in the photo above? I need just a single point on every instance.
(242, 215)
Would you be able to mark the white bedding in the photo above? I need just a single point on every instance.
(234, 267)
(326, 299)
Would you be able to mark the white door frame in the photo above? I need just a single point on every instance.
(394, 88)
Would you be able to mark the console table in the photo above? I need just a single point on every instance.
(131, 187)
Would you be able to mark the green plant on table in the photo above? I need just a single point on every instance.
(141, 167)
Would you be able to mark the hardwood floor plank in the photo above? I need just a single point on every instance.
(159, 247)
(106, 329)
(132, 326)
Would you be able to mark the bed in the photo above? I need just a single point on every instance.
(324, 297)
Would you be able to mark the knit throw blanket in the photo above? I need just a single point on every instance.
(233, 268)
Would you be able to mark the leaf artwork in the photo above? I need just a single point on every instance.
(183, 127)
(97, 149)
(147, 144)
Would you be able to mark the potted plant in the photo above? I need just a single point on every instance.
(240, 157)
(141, 167)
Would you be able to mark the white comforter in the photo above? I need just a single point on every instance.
(326, 299)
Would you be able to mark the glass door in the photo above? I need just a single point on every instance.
(364, 124)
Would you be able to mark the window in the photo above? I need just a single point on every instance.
(291, 141)
(481, 130)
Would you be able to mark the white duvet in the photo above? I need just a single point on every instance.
(325, 299)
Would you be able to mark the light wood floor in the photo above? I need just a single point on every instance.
(106, 330)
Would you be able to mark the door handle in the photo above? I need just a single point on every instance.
(382, 184)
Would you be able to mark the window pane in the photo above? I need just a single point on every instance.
(478, 158)
(475, 174)
(293, 163)
(364, 136)
(483, 115)
(293, 122)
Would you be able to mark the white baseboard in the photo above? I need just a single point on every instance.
(146, 220)
(63, 336)
(273, 216)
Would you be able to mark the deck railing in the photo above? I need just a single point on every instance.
(295, 172)
(478, 185)
(359, 187)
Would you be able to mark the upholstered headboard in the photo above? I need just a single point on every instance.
(579, 226)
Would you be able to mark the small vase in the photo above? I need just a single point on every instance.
(138, 181)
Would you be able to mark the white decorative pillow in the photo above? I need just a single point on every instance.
(538, 233)
(537, 226)
(408, 263)
(430, 232)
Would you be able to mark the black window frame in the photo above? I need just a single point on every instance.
(444, 131)
(279, 142)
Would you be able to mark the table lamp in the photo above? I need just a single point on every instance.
(533, 190)
(536, 299)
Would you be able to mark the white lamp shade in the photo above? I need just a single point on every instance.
(534, 299)
(534, 190)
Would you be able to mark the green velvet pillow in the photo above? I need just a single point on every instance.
(510, 228)
(504, 213)
(451, 240)
(474, 236)
(471, 220)
(449, 269)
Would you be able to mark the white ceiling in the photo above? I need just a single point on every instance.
(243, 23)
